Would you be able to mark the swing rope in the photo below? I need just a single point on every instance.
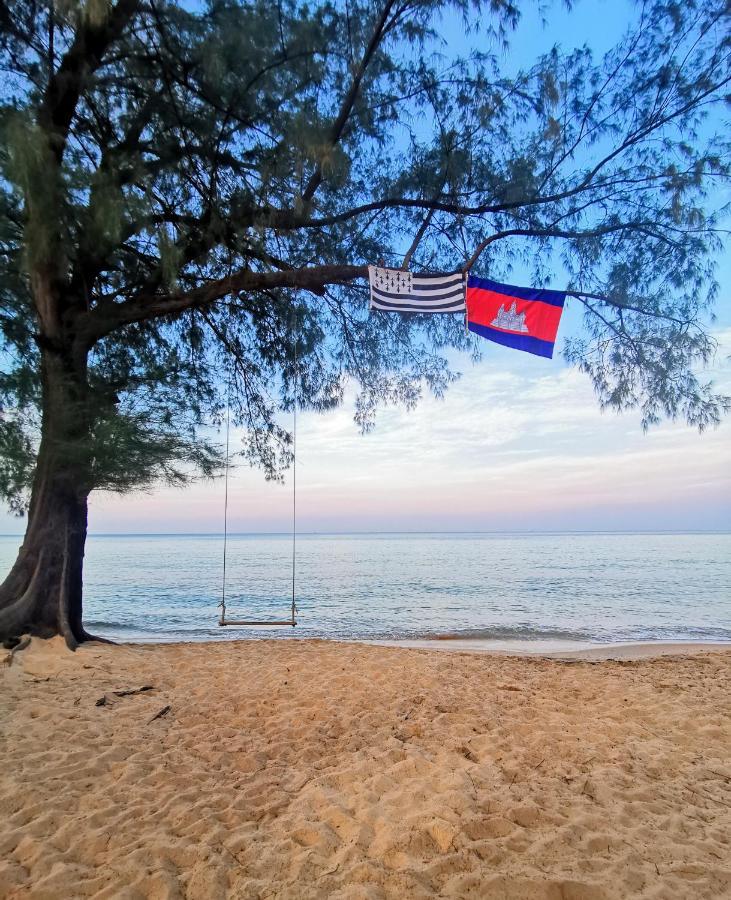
(222, 604)
(294, 464)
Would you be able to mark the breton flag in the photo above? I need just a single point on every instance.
(523, 318)
(394, 290)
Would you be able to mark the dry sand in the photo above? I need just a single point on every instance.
(315, 769)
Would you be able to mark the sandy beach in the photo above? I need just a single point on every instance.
(302, 769)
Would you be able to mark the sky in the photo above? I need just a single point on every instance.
(518, 444)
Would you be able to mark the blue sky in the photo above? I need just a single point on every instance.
(517, 444)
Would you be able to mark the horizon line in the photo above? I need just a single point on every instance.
(327, 533)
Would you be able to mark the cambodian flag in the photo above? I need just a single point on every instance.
(523, 318)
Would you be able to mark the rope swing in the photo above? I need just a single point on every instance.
(292, 620)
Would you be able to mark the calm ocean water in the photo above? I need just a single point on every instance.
(565, 587)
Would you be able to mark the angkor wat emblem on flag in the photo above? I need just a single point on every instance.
(510, 319)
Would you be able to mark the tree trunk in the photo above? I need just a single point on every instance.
(42, 594)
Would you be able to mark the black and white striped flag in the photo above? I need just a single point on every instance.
(394, 290)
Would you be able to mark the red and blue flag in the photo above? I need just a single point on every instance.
(523, 318)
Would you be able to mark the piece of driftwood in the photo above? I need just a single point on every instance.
(158, 715)
(131, 691)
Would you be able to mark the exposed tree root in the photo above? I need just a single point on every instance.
(21, 645)
(83, 637)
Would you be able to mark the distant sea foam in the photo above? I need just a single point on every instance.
(542, 587)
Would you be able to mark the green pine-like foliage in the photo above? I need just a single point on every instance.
(159, 159)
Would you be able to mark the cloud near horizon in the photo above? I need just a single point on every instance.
(515, 445)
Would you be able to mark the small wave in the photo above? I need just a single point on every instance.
(672, 633)
(532, 633)
(507, 633)
(165, 630)
(143, 624)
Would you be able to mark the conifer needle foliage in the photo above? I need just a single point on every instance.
(184, 187)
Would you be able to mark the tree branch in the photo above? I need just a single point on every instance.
(349, 100)
(148, 304)
(617, 304)
(108, 316)
(82, 59)
(550, 233)
(417, 239)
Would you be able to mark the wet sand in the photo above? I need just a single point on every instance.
(556, 649)
(301, 769)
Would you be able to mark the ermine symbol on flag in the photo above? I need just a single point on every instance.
(394, 290)
(395, 281)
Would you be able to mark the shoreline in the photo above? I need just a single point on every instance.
(560, 649)
(547, 648)
(527, 648)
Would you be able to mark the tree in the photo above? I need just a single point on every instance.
(181, 183)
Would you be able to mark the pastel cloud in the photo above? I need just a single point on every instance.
(516, 444)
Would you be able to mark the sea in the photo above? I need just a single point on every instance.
(549, 589)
